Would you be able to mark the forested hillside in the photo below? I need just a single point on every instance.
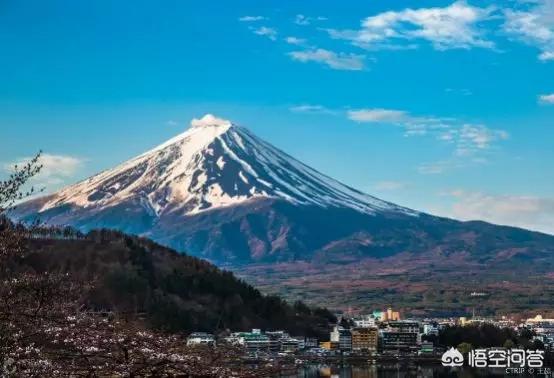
(171, 291)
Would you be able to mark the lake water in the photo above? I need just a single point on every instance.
(390, 371)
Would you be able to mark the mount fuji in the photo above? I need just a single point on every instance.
(219, 192)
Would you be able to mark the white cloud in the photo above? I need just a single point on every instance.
(390, 185)
(266, 32)
(436, 167)
(547, 98)
(462, 91)
(56, 169)
(447, 136)
(533, 25)
(251, 18)
(172, 123)
(394, 116)
(531, 212)
(546, 55)
(311, 109)
(337, 61)
(377, 115)
(300, 19)
(477, 137)
(450, 27)
(303, 20)
(209, 120)
(469, 140)
(295, 41)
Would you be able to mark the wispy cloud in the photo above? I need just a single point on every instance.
(533, 25)
(300, 19)
(546, 55)
(336, 61)
(437, 167)
(469, 140)
(451, 27)
(265, 31)
(295, 41)
(378, 115)
(311, 109)
(394, 116)
(460, 91)
(303, 20)
(472, 138)
(390, 185)
(56, 169)
(172, 123)
(251, 18)
(547, 99)
(531, 212)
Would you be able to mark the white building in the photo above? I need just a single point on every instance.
(335, 334)
(364, 321)
(430, 329)
(200, 338)
(254, 341)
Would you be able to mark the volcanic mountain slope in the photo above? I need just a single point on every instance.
(219, 192)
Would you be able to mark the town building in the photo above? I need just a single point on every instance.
(400, 341)
(289, 345)
(275, 339)
(537, 320)
(364, 321)
(253, 341)
(426, 348)
(401, 336)
(390, 315)
(365, 339)
(345, 340)
(430, 329)
(377, 314)
(335, 335)
(544, 329)
(329, 345)
(200, 338)
(301, 342)
(311, 342)
(404, 326)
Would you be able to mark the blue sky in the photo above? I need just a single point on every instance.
(446, 107)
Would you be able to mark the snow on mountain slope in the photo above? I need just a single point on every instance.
(219, 192)
(213, 164)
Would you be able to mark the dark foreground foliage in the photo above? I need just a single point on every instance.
(488, 336)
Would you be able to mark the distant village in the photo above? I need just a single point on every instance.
(380, 334)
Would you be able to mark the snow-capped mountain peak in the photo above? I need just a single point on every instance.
(219, 192)
(211, 165)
